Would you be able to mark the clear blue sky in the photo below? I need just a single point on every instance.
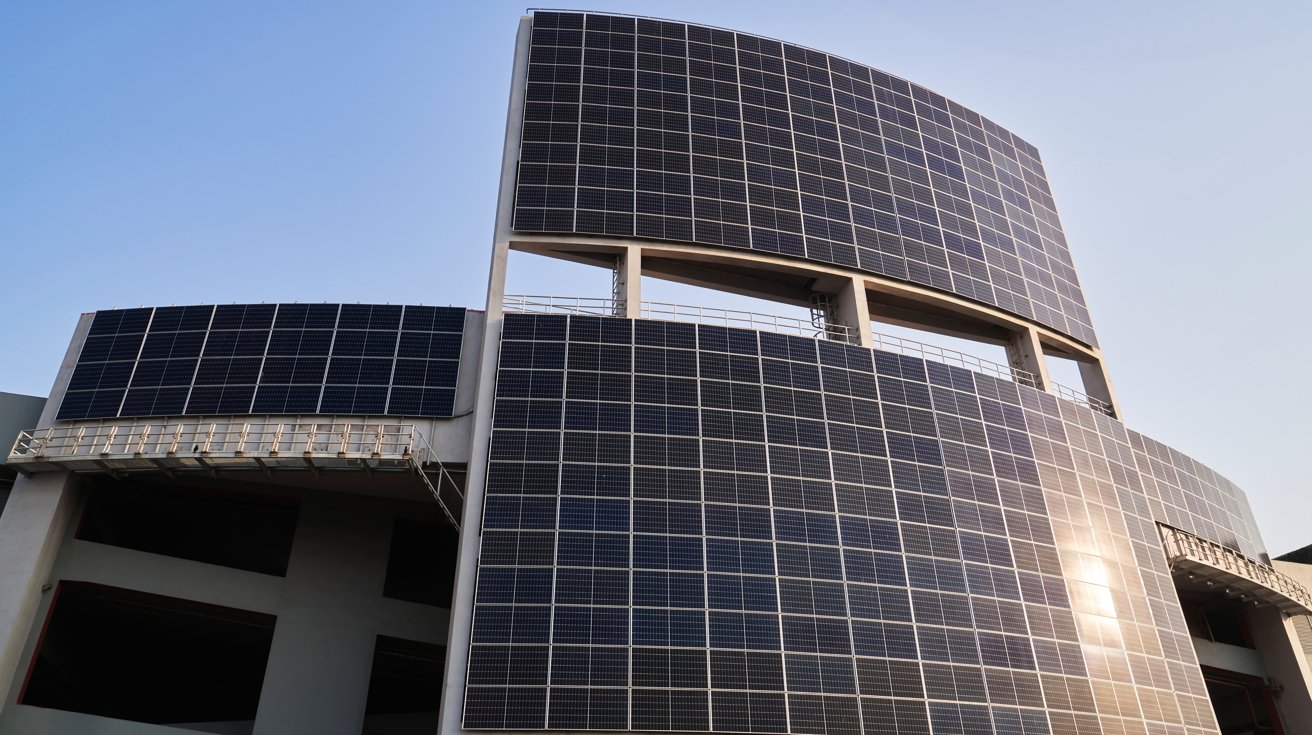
(198, 152)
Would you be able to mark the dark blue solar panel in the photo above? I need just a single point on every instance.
(656, 129)
(268, 358)
(833, 554)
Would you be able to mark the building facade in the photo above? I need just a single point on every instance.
(612, 514)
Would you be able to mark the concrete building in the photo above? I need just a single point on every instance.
(568, 513)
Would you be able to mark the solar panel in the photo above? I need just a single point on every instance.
(661, 130)
(706, 528)
(268, 359)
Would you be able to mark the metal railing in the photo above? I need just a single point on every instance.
(912, 348)
(1080, 396)
(792, 325)
(1182, 546)
(528, 304)
(532, 304)
(745, 320)
(235, 438)
(236, 444)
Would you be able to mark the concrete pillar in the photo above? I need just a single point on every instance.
(31, 530)
(462, 603)
(854, 310)
(1282, 656)
(317, 679)
(1099, 385)
(1025, 352)
(628, 282)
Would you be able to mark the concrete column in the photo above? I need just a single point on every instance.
(462, 603)
(1282, 656)
(1025, 352)
(1099, 385)
(854, 310)
(317, 679)
(31, 530)
(628, 282)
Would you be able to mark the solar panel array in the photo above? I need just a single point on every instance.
(645, 128)
(697, 528)
(267, 359)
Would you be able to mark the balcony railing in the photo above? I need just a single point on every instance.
(769, 323)
(677, 313)
(912, 348)
(792, 325)
(528, 304)
(1079, 396)
(1207, 562)
(745, 320)
(173, 446)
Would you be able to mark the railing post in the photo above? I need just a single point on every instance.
(109, 440)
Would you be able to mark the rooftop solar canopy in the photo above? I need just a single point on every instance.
(267, 359)
(635, 127)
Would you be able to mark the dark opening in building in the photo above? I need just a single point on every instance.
(421, 565)
(1217, 619)
(1244, 705)
(135, 656)
(243, 531)
(405, 687)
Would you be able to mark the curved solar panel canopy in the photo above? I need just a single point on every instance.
(651, 129)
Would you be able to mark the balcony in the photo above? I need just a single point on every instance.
(266, 445)
(1197, 561)
(815, 328)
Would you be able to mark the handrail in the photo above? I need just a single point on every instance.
(912, 348)
(1080, 396)
(744, 320)
(536, 304)
(600, 306)
(532, 304)
(1182, 545)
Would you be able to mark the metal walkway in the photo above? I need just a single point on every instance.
(1206, 562)
(216, 446)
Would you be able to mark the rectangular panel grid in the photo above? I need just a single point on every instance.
(267, 359)
(656, 129)
(697, 528)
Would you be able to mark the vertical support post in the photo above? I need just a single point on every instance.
(460, 631)
(628, 283)
(854, 310)
(1099, 385)
(1025, 352)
